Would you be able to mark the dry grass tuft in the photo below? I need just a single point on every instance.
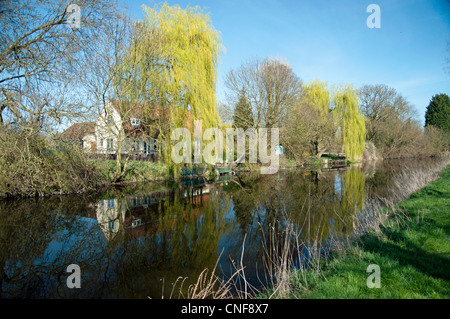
(208, 285)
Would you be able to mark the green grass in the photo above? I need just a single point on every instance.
(136, 171)
(412, 251)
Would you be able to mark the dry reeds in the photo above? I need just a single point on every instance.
(410, 180)
(278, 251)
(208, 285)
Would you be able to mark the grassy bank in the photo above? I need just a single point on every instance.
(135, 171)
(412, 249)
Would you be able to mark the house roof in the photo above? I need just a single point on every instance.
(78, 131)
(129, 110)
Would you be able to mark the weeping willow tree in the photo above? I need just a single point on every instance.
(317, 97)
(189, 47)
(316, 94)
(309, 128)
(172, 63)
(350, 121)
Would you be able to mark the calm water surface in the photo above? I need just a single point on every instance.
(135, 241)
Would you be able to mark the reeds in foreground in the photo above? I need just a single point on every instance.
(208, 286)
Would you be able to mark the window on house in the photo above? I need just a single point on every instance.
(137, 222)
(135, 145)
(150, 146)
(135, 121)
(111, 203)
(110, 143)
(109, 120)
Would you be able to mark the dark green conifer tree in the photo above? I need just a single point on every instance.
(243, 115)
(438, 112)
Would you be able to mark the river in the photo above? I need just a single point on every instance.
(153, 240)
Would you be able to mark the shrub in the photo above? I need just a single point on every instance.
(32, 165)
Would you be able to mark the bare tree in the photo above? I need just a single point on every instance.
(270, 87)
(102, 65)
(379, 102)
(383, 106)
(308, 131)
(390, 120)
(120, 93)
(41, 58)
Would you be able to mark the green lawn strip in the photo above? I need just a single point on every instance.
(136, 171)
(413, 253)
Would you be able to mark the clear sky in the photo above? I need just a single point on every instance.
(330, 41)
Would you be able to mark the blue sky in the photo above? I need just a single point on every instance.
(330, 41)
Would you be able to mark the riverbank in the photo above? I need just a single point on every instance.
(33, 166)
(411, 248)
(136, 171)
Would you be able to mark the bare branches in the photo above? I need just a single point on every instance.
(269, 86)
(380, 102)
(390, 122)
(41, 60)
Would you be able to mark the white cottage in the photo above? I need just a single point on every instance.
(116, 126)
(125, 126)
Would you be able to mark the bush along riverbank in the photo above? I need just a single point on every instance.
(34, 166)
(403, 252)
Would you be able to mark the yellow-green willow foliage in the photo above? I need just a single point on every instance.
(310, 128)
(316, 94)
(171, 70)
(187, 67)
(350, 121)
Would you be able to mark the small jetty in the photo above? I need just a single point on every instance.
(195, 171)
(331, 160)
(219, 169)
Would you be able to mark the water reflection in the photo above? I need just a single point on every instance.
(134, 242)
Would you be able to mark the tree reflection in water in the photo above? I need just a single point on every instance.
(135, 242)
